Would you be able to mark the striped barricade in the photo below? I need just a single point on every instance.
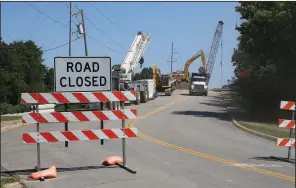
(288, 124)
(78, 116)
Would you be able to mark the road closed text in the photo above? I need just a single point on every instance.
(82, 74)
(79, 81)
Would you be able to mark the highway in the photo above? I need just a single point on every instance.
(184, 141)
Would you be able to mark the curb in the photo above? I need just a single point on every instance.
(268, 137)
(241, 127)
(6, 128)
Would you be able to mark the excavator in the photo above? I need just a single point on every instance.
(199, 81)
(185, 75)
(163, 82)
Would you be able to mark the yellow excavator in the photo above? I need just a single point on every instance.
(184, 76)
(163, 82)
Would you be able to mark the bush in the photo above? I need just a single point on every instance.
(11, 109)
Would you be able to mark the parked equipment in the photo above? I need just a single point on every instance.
(163, 82)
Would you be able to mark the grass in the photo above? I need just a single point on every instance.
(10, 118)
(268, 128)
(9, 179)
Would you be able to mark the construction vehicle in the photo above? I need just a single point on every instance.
(199, 81)
(197, 84)
(163, 82)
(185, 75)
(128, 69)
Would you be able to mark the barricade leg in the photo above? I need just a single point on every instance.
(102, 122)
(291, 130)
(37, 168)
(123, 166)
(66, 124)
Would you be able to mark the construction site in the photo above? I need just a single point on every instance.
(83, 118)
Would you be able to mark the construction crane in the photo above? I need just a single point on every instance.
(213, 52)
(136, 52)
(198, 82)
(133, 58)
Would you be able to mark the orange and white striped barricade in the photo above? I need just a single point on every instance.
(288, 124)
(78, 116)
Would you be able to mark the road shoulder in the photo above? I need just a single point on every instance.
(234, 109)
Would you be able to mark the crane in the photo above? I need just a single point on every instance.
(133, 58)
(199, 81)
(136, 52)
(213, 52)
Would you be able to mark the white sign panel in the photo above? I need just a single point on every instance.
(125, 77)
(82, 74)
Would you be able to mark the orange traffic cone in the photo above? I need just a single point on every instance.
(112, 160)
(44, 174)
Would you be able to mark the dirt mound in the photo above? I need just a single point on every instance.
(182, 86)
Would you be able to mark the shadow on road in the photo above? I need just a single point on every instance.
(272, 158)
(27, 171)
(214, 103)
(219, 115)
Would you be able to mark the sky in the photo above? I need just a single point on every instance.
(189, 25)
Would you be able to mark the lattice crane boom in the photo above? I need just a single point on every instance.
(213, 50)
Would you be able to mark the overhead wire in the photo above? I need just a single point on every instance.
(47, 16)
(60, 46)
(98, 10)
(66, 26)
(98, 29)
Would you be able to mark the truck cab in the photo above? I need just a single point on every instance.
(198, 85)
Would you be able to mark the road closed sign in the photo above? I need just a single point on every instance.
(82, 74)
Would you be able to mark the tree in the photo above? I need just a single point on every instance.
(264, 60)
(146, 73)
(22, 70)
(116, 66)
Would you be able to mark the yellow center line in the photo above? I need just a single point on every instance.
(206, 156)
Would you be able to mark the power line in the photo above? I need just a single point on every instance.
(48, 16)
(60, 46)
(103, 44)
(102, 32)
(66, 26)
(109, 19)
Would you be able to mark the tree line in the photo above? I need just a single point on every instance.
(265, 59)
(21, 70)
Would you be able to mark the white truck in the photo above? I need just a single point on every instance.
(134, 58)
(198, 84)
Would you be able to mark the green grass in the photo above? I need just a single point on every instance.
(269, 129)
(10, 118)
(9, 179)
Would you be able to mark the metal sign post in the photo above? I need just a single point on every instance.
(290, 136)
(38, 144)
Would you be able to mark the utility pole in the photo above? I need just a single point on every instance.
(70, 28)
(172, 56)
(84, 33)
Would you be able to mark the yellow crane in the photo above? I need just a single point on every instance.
(184, 76)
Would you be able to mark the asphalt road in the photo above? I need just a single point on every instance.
(184, 141)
